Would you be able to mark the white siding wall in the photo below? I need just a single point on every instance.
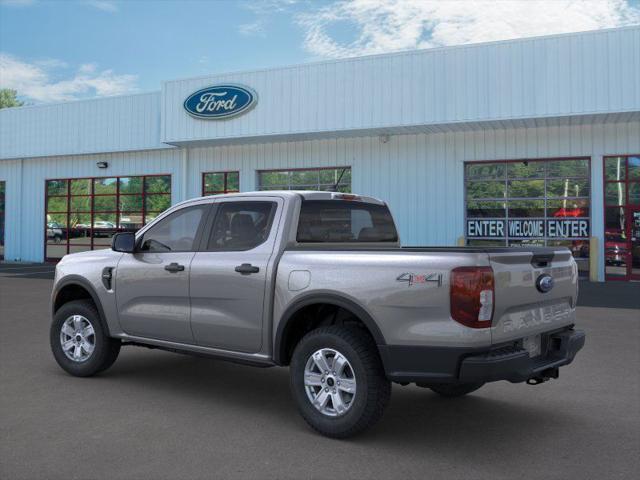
(112, 124)
(419, 175)
(556, 76)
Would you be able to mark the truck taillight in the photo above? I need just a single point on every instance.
(472, 296)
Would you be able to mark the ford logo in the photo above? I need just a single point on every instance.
(220, 101)
(544, 283)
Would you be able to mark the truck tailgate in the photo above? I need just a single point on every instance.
(521, 308)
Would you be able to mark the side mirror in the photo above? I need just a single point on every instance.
(124, 242)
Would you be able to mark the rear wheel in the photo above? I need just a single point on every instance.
(338, 381)
(455, 389)
(79, 341)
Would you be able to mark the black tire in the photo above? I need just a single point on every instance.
(105, 351)
(455, 389)
(373, 389)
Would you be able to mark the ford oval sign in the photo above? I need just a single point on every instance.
(220, 101)
(544, 283)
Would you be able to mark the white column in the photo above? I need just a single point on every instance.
(184, 175)
(597, 211)
(18, 254)
(248, 180)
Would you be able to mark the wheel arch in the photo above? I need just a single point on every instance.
(74, 287)
(291, 317)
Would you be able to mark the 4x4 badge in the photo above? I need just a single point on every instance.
(413, 278)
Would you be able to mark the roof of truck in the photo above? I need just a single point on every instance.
(306, 194)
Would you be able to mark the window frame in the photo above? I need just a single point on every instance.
(207, 193)
(68, 243)
(302, 169)
(215, 212)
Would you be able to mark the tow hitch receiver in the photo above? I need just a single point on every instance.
(544, 376)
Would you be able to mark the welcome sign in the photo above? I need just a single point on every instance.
(528, 228)
(220, 101)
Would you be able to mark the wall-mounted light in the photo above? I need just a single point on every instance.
(102, 164)
(384, 138)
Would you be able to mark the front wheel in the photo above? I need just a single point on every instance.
(79, 342)
(338, 381)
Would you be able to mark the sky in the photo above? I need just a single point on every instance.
(59, 50)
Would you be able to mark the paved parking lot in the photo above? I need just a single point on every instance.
(161, 415)
(27, 270)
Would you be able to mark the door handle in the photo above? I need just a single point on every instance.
(246, 269)
(174, 267)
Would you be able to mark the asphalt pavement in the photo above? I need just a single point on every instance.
(159, 415)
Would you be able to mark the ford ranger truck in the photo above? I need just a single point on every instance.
(318, 282)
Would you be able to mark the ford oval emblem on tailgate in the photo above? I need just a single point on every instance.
(544, 283)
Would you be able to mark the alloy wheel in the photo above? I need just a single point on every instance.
(77, 338)
(330, 382)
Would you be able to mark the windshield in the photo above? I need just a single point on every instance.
(343, 221)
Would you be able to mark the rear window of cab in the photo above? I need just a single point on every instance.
(343, 221)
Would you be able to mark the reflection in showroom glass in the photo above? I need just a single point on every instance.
(530, 203)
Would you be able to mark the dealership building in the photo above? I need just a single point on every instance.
(524, 142)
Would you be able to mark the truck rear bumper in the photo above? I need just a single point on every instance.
(408, 364)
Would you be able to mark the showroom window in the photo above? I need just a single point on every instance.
(215, 183)
(530, 203)
(622, 217)
(2, 210)
(84, 213)
(326, 179)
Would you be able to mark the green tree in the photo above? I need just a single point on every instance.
(8, 98)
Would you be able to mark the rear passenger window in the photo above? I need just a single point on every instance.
(241, 225)
(342, 221)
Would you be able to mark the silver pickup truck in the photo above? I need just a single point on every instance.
(318, 281)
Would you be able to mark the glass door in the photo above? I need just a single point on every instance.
(622, 217)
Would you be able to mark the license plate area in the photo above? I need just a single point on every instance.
(533, 345)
